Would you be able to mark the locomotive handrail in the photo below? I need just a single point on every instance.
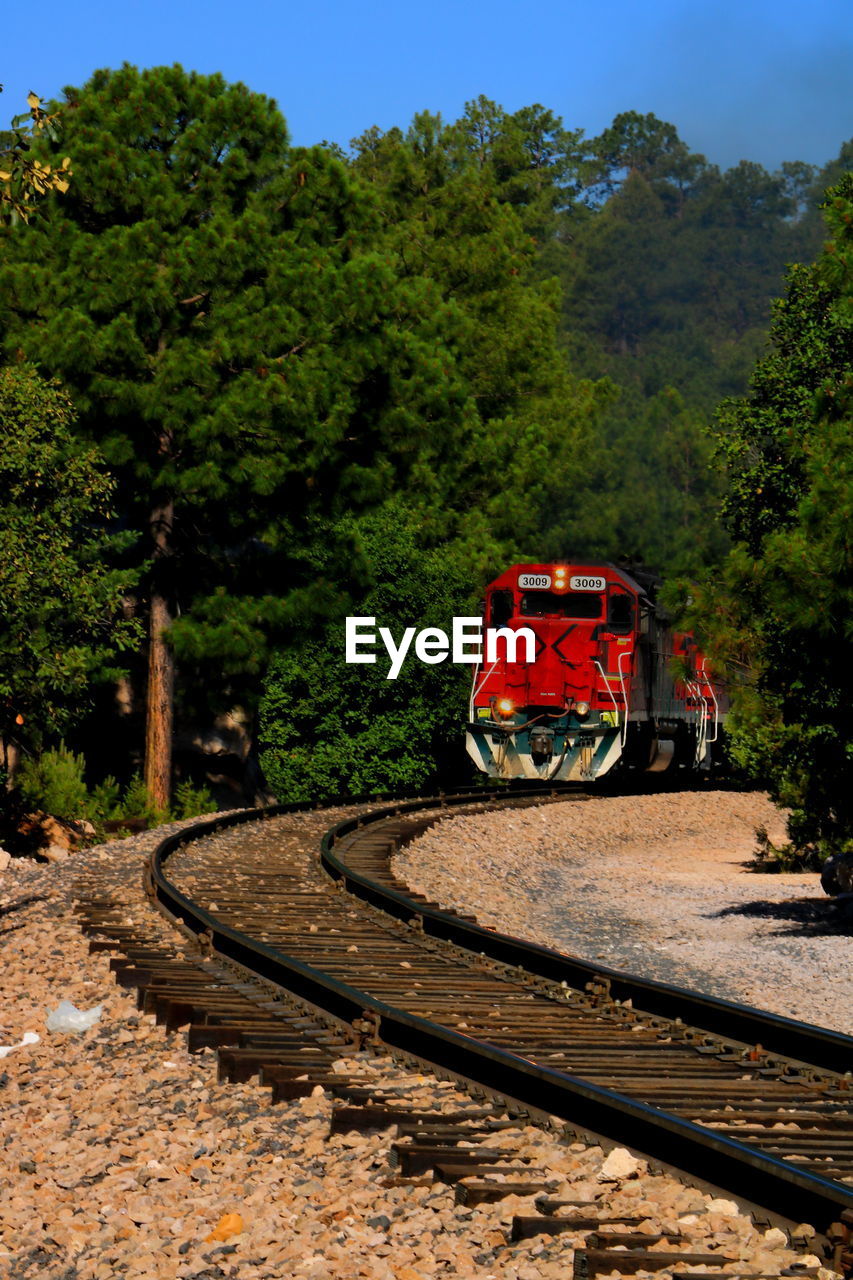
(706, 710)
(710, 684)
(492, 726)
(623, 654)
(694, 687)
(475, 688)
(596, 663)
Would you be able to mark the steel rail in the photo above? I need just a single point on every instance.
(765, 1180)
(801, 1041)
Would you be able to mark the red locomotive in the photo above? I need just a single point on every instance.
(580, 673)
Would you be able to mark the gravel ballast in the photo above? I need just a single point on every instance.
(123, 1155)
(657, 885)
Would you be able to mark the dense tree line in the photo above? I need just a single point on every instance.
(256, 367)
(666, 269)
(323, 378)
(779, 613)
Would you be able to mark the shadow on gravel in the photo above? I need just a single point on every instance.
(13, 928)
(809, 917)
(20, 903)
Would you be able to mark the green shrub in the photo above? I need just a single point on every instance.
(105, 802)
(137, 805)
(785, 857)
(329, 728)
(54, 782)
(190, 802)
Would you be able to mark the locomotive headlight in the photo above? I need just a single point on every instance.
(505, 706)
(581, 710)
(560, 583)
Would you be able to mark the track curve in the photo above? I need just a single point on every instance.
(555, 1035)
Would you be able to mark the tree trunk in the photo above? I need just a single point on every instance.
(161, 669)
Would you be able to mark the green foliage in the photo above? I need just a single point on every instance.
(60, 594)
(190, 801)
(270, 342)
(763, 440)
(329, 728)
(780, 612)
(666, 268)
(24, 179)
(510, 331)
(458, 204)
(137, 805)
(668, 282)
(261, 339)
(771, 858)
(665, 493)
(53, 782)
(104, 803)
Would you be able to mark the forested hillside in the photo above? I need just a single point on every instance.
(666, 269)
(308, 379)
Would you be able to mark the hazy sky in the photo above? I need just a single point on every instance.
(767, 80)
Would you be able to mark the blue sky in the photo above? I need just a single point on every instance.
(766, 81)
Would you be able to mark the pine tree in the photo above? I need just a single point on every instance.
(456, 201)
(239, 350)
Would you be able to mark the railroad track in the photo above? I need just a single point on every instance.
(754, 1104)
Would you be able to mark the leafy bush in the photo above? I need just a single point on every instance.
(61, 624)
(785, 857)
(105, 801)
(329, 728)
(777, 611)
(54, 782)
(190, 802)
(137, 805)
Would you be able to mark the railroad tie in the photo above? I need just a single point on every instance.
(362, 1119)
(285, 1088)
(698, 1059)
(216, 1011)
(452, 1172)
(548, 1224)
(595, 1262)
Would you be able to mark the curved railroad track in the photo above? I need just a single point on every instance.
(755, 1104)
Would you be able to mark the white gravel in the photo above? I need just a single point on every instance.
(657, 885)
(121, 1155)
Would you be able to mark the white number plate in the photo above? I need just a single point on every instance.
(534, 581)
(579, 583)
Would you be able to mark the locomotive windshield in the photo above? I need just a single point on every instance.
(620, 612)
(571, 604)
(501, 608)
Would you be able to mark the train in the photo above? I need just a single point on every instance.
(583, 674)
